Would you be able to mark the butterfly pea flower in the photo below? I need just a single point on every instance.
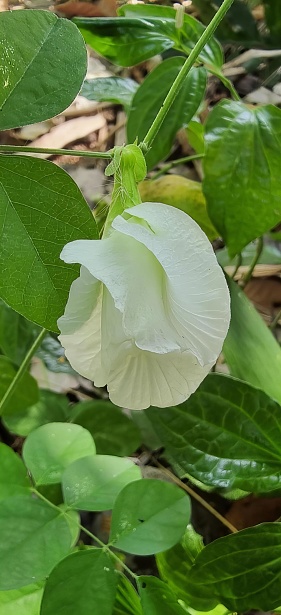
(149, 313)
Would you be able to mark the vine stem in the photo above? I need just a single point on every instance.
(174, 163)
(46, 150)
(249, 273)
(197, 497)
(84, 529)
(208, 32)
(22, 369)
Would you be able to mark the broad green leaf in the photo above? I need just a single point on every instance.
(41, 209)
(23, 601)
(195, 134)
(145, 32)
(33, 538)
(114, 89)
(49, 449)
(114, 433)
(16, 333)
(250, 349)
(226, 435)
(242, 171)
(149, 516)
(41, 73)
(242, 570)
(13, 476)
(24, 395)
(127, 601)
(273, 19)
(184, 37)
(157, 598)
(175, 564)
(84, 583)
(94, 482)
(50, 408)
(182, 193)
(146, 105)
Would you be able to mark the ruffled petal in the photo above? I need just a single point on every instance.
(197, 297)
(136, 281)
(80, 327)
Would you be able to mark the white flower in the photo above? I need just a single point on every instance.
(150, 310)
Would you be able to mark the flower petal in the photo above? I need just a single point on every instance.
(80, 327)
(135, 279)
(196, 290)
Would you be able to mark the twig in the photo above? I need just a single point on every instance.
(11, 149)
(249, 273)
(174, 163)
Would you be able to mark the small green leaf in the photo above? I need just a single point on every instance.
(157, 598)
(250, 350)
(184, 37)
(16, 333)
(13, 476)
(84, 583)
(50, 408)
(41, 73)
(41, 209)
(226, 435)
(146, 106)
(94, 482)
(149, 516)
(242, 570)
(242, 171)
(114, 89)
(49, 449)
(33, 538)
(23, 601)
(114, 433)
(24, 395)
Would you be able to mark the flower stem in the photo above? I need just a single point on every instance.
(22, 369)
(174, 163)
(208, 32)
(249, 273)
(10, 149)
(92, 536)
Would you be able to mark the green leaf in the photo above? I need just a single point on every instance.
(157, 598)
(146, 105)
(84, 583)
(50, 408)
(114, 89)
(183, 193)
(94, 482)
(149, 516)
(114, 433)
(242, 570)
(273, 19)
(226, 435)
(238, 26)
(13, 476)
(41, 73)
(23, 601)
(184, 37)
(49, 449)
(250, 349)
(33, 538)
(16, 333)
(41, 209)
(195, 134)
(144, 32)
(127, 601)
(175, 564)
(24, 395)
(242, 171)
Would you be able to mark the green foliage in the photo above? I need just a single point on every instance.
(40, 210)
(226, 436)
(33, 66)
(144, 109)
